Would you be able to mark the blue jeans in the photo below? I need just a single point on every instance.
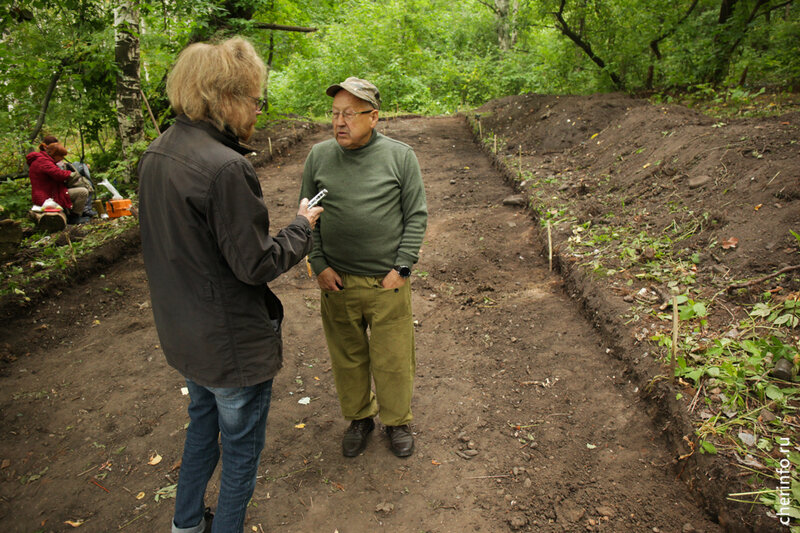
(239, 416)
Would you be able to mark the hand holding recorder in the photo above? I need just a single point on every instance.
(309, 209)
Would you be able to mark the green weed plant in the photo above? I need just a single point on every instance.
(48, 258)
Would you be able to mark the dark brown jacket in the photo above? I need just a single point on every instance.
(209, 255)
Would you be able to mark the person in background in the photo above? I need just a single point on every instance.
(50, 181)
(364, 246)
(82, 177)
(209, 255)
(49, 139)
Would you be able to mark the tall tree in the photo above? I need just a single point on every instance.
(736, 18)
(130, 120)
(222, 17)
(48, 94)
(654, 43)
(505, 15)
(577, 36)
(53, 68)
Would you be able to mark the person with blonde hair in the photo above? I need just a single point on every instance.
(208, 255)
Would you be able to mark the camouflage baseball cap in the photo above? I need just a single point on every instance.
(358, 88)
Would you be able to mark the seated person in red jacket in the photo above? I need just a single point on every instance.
(83, 179)
(49, 181)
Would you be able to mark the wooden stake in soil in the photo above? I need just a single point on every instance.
(549, 246)
(494, 150)
(674, 335)
(269, 141)
(520, 161)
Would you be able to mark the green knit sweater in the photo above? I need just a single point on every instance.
(375, 212)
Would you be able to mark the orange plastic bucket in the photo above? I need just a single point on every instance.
(118, 208)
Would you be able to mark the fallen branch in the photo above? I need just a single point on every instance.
(759, 280)
(687, 455)
(281, 27)
(290, 474)
(99, 467)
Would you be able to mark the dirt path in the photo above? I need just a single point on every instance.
(523, 421)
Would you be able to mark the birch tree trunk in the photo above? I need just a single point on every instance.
(506, 21)
(127, 55)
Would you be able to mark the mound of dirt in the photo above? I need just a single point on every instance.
(278, 137)
(624, 162)
(679, 188)
(545, 124)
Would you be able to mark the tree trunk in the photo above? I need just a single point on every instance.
(130, 119)
(732, 32)
(270, 56)
(743, 77)
(656, 52)
(506, 22)
(45, 103)
(564, 28)
(723, 50)
(726, 8)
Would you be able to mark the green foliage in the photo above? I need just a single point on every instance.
(732, 363)
(746, 408)
(71, 43)
(689, 309)
(796, 236)
(427, 56)
(15, 198)
(785, 314)
(120, 172)
(48, 257)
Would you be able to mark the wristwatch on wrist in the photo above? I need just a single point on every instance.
(403, 270)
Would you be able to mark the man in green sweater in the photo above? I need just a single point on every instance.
(365, 243)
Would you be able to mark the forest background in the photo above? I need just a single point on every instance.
(92, 72)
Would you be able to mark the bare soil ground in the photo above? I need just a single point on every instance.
(529, 404)
(665, 165)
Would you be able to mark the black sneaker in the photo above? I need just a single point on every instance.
(355, 438)
(73, 219)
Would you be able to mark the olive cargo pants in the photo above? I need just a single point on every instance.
(370, 333)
